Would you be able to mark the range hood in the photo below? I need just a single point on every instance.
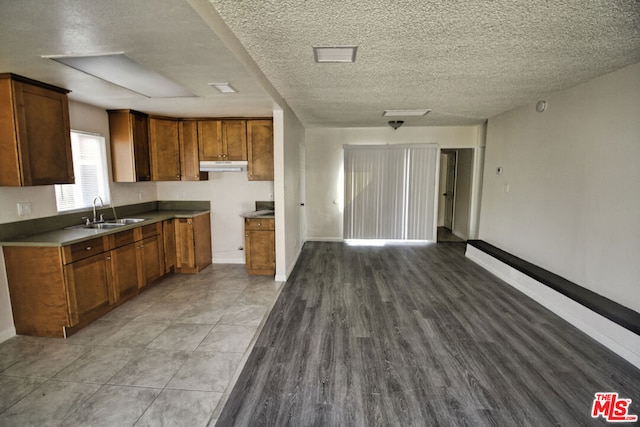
(223, 166)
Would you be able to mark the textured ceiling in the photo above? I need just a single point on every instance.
(466, 60)
(167, 36)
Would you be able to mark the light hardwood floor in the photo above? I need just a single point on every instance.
(417, 336)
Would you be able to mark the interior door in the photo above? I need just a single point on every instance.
(450, 185)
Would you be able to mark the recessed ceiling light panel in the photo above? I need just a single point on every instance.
(120, 70)
(223, 87)
(405, 113)
(343, 54)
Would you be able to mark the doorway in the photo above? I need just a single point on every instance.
(454, 202)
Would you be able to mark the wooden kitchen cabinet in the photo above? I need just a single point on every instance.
(164, 147)
(260, 150)
(193, 243)
(260, 246)
(189, 152)
(129, 135)
(89, 288)
(35, 138)
(124, 264)
(150, 253)
(222, 139)
(169, 240)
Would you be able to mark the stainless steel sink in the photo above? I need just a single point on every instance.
(108, 225)
(125, 221)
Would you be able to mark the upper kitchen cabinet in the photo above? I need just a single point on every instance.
(35, 138)
(189, 158)
(222, 139)
(164, 143)
(129, 132)
(260, 148)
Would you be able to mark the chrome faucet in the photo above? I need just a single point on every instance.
(94, 208)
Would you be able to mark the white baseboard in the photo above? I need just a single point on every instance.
(613, 336)
(7, 333)
(325, 239)
(227, 260)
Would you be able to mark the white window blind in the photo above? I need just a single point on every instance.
(390, 191)
(90, 171)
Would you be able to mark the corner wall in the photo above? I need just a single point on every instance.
(569, 197)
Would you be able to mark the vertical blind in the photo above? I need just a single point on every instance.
(390, 191)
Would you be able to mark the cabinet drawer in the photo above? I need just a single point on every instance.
(259, 224)
(121, 239)
(151, 230)
(83, 250)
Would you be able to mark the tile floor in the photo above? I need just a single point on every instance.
(167, 357)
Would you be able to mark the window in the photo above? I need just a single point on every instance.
(390, 192)
(90, 170)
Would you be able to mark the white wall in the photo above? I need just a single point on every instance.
(230, 194)
(289, 137)
(463, 193)
(573, 180)
(324, 165)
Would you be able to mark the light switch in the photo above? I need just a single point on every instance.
(24, 208)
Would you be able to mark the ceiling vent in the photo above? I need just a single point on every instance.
(223, 87)
(339, 54)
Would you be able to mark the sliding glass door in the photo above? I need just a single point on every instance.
(390, 191)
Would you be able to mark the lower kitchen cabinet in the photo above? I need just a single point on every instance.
(260, 246)
(151, 260)
(193, 243)
(89, 288)
(57, 290)
(169, 240)
(124, 267)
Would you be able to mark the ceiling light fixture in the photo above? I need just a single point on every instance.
(121, 70)
(340, 54)
(223, 87)
(395, 124)
(405, 113)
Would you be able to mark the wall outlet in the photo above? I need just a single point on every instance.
(24, 208)
(499, 170)
(140, 194)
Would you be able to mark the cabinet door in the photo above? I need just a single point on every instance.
(189, 158)
(169, 236)
(234, 137)
(151, 259)
(260, 247)
(164, 143)
(129, 136)
(124, 268)
(141, 147)
(260, 147)
(210, 140)
(88, 283)
(44, 138)
(185, 248)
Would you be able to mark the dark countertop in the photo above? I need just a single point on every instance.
(259, 214)
(65, 237)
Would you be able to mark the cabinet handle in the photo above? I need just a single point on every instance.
(246, 235)
(108, 257)
(88, 248)
(178, 176)
(259, 224)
